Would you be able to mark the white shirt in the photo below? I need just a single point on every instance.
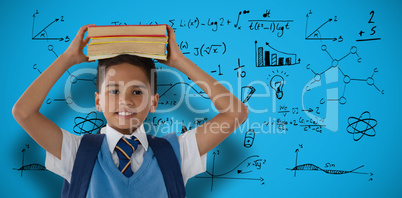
(191, 161)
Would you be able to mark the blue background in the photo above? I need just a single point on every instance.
(261, 169)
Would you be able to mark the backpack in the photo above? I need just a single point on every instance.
(88, 152)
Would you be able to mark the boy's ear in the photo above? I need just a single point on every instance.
(154, 103)
(97, 101)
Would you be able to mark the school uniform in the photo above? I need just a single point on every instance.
(190, 160)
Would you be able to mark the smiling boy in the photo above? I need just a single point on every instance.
(126, 94)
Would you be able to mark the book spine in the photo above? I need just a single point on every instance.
(124, 25)
(127, 36)
(153, 48)
(128, 42)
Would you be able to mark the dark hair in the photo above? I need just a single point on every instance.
(146, 64)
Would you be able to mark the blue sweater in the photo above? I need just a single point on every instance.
(108, 181)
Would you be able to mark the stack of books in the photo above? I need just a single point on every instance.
(142, 40)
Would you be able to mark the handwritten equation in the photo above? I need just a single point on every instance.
(204, 49)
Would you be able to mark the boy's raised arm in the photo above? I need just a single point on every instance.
(26, 110)
(232, 112)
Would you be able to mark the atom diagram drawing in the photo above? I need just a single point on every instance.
(88, 125)
(361, 126)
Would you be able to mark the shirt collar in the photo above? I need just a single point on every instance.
(113, 136)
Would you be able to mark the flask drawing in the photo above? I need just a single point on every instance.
(249, 138)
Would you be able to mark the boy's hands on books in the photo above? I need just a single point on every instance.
(74, 52)
(175, 56)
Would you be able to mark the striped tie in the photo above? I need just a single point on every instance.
(124, 149)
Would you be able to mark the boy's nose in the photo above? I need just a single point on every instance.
(126, 99)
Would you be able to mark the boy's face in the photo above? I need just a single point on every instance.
(125, 97)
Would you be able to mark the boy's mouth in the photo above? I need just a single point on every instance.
(125, 114)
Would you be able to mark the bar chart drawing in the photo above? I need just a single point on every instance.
(271, 57)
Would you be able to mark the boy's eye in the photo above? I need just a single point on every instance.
(114, 91)
(137, 92)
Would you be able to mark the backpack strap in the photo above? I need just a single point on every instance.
(83, 166)
(169, 165)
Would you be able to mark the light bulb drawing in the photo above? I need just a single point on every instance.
(277, 83)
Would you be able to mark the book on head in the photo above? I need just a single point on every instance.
(142, 40)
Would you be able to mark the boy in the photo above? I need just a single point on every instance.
(125, 96)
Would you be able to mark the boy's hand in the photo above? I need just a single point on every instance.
(175, 56)
(74, 52)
